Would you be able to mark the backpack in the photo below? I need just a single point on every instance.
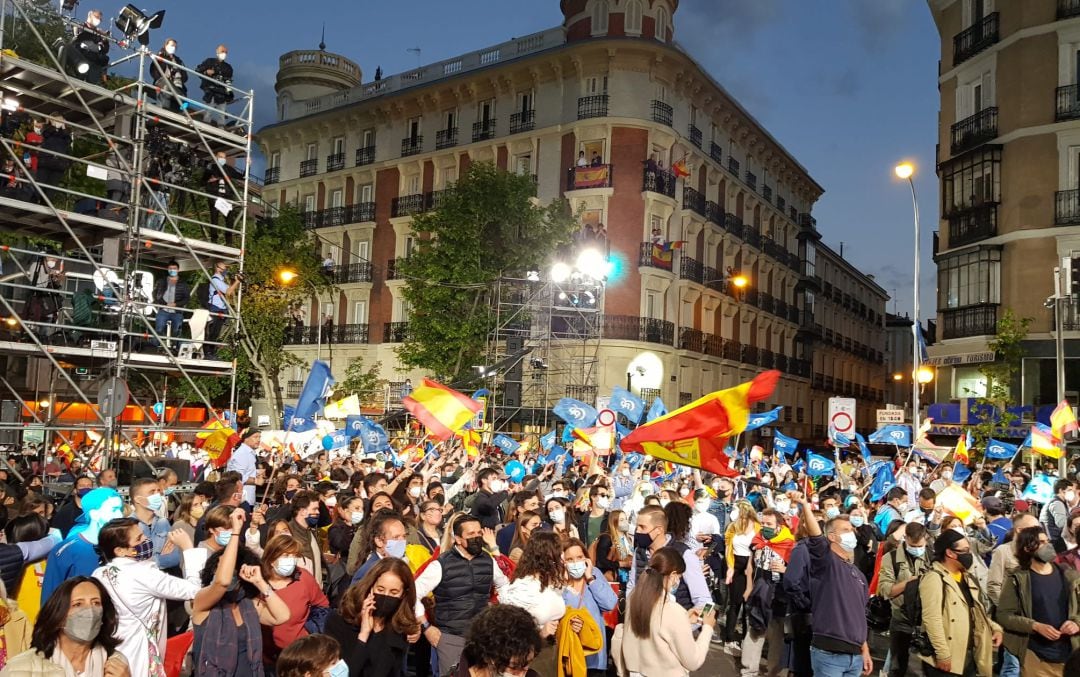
(912, 606)
(204, 293)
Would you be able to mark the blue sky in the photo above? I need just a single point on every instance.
(847, 86)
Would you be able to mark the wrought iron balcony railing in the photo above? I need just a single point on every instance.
(309, 168)
(412, 145)
(693, 200)
(659, 181)
(974, 130)
(662, 112)
(335, 162)
(446, 138)
(978, 37)
(634, 328)
(365, 156)
(482, 130)
(595, 106)
(523, 121)
(271, 175)
(971, 321)
(695, 135)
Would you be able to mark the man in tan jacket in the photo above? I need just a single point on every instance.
(957, 625)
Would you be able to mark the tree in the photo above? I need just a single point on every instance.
(992, 409)
(487, 225)
(364, 383)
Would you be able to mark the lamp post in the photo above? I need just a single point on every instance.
(286, 277)
(906, 170)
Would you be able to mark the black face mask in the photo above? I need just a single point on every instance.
(290, 494)
(642, 540)
(721, 494)
(385, 605)
(965, 559)
(235, 593)
(474, 546)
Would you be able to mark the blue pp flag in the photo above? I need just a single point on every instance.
(1040, 489)
(816, 465)
(568, 434)
(575, 412)
(788, 445)
(354, 425)
(900, 435)
(621, 431)
(317, 388)
(374, 437)
(505, 444)
(547, 441)
(999, 477)
(997, 450)
(339, 439)
(960, 472)
(656, 410)
(884, 480)
(838, 439)
(634, 460)
(628, 404)
(862, 446)
(798, 466)
(297, 424)
(763, 419)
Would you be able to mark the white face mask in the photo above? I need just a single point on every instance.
(357, 517)
(415, 491)
(222, 56)
(95, 22)
(557, 516)
(664, 502)
(1070, 496)
(702, 505)
(170, 49)
(782, 506)
(684, 492)
(735, 515)
(221, 162)
(330, 502)
(603, 503)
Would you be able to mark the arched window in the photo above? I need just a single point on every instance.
(661, 24)
(633, 16)
(600, 16)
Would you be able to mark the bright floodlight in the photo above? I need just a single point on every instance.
(904, 170)
(287, 276)
(898, 377)
(593, 263)
(560, 272)
(925, 374)
(740, 281)
(533, 276)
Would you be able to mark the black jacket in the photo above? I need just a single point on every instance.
(183, 292)
(213, 85)
(58, 141)
(216, 185)
(383, 655)
(583, 528)
(161, 69)
(488, 508)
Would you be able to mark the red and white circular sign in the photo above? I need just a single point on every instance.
(842, 422)
(606, 417)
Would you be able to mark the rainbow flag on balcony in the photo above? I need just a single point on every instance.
(662, 253)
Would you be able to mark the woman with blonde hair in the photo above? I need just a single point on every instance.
(743, 526)
(612, 552)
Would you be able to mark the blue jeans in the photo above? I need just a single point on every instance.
(1010, 665)
(173, 318)
(828, 664)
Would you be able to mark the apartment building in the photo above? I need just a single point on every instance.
(609, 89)
(1009, 166)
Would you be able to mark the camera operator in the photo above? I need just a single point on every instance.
(164, 71)
(220, 290)
(217, 86)
(51, 168)
(43, 303)
(218, 188)
(90, 46)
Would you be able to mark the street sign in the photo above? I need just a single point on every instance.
(842, 414)
(606, 417)
(890, 416)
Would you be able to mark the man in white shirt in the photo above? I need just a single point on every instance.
(243, 461)
(703, 525)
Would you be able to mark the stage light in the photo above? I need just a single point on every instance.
(10, 104)
(593, 263)
(562, 296)
(590, 298)
(533, 276)
(136, 25)
(44, 404)
(560, 272)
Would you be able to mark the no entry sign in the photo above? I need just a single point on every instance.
(842, 414)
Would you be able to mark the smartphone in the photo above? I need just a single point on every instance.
(706, 609)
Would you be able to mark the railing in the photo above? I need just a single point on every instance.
(693, 200)
(733, 166)
(695, 136)
(972, 224)
(690, 269)
(713, 212)
(766, 193)
(732, 350)
(582, 393)
(412, 145)
(659, 181)
(593, 176)
(365, 156)
(523, 121)
(662, 112)
(271, 175)
(1067, 102)
(691, 339)
(293, 388)
(333, 216)
(1067, 207)
(733, 224)
(395, 332)
(483, 130)
(781, 203)
(767, 302)
(975, 130)
(435, 199)
(766, 358)
(713, 345)
(407, 205)
(752, 237)
(749, 355)
(360, 212)
(716, 153)
(309, 168)
(392, 268)
(1068, 8)
(335, 162)
(446, 138)
(970, 41)
(634, 328)
(654, 256)
(348, 273)
(595, 106)
(350, 333)
(1070, 315)
(751, 180)
(971, 321)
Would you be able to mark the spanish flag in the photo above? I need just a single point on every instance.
(470, 441)
(694, 435)
(962, 452)
(1042, 442)
(680, 169)
(1062, 421)
(442, 410)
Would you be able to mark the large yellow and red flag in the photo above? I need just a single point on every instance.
(962, 452)
(442, 410)
(1042, 442)
(1062, 421)
(694, 435)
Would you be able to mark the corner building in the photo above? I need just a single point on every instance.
(609, 85)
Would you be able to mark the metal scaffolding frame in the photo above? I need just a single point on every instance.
(110, 245)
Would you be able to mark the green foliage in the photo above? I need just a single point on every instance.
(1009, 351)
(364, 383)
(19, 35)
(487, 225)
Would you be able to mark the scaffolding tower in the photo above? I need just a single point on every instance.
(546, 343)
(92, 219)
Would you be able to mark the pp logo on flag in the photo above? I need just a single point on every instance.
(897, 434)
(576, 412)
(298, 421)
(625, 403)
(817, 464)
(757, 421)
(357, 426)
(372, 437)
(996, 449)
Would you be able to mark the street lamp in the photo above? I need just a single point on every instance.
(905, 171)
(287, 277)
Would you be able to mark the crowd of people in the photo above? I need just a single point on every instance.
(345, 565)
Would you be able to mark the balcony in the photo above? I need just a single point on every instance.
(691, 269)
(335, 162)
(732, 350)
(1067, 207)
(1068, 8)
(309, 168)
(766, 193)
(749, 355)
(582, 393)
(751, 180)
(271, 175)
(446, 138)
(972, 224)
(767, 302)
(662, 113)
(654, 256)
(392, 268)
(412, 145)
(691, 339)
(781, 203)
(407, 205)
(483, 130)
(293, 388)
(733, 166)
(733, 224)
(350, 333)
(693, 200)
(970, 321)
(360, 212)
(713, 212)
(694, 135)
(716, 153)
(525, 121)
(975, 130)
(713, 345)
(1068, 102)
(970, 41)
(395, 332)
(365, 156)
(633, 328)
(303, 336)
(352, 273)
(659, 181)
(594, 176)
(1070, 317)
(332, 216)
(594, 106)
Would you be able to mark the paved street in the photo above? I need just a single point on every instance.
(719, 663)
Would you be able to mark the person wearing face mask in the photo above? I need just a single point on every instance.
(588, 590)
(328, 500)
(384, 537)
(348, 514)
(622, 485)
(461, 580)
(217, 85)
(71, 510)
(894, 509)
(704, 527)
(944, 480)
(559, 517)
(536, 586)
(56, 141)
(766, 605)
(740, 534)
(1055, 514)
(170, 294)
(488, 504)
(146, 500)
(75, 634)
(651, 534)
(169, 76)
(900, 567)
(954, 618)
(376, 620)
(88, 59)
(613, 551)
(220, 290)
(221, 181)
(591, 524)
(295, 585)
(1040, 607)
(867, 545)
(303, 525)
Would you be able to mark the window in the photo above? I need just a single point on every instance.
(652, 304)
(328, 311)
(312, 151)
(450, 117)
(283, 112)
(969, 279)
(595, 85)
(523, 164)
(661, 24)
(661, 93)
(309, 203)
(360, 312)
(974, 95)
(410, 245)
(363, 251)
(339, 145)
(485, 110)
(365, 193)
(599, 16)
(633, 16)
(449, 175)
(971, 181)
(275, 159)
(368, 138)
(525, 101)
(402, 310)
(412, 128)
(337, 198)
(968, 382)
(809, 256)
(412, 184)
(693, 115)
